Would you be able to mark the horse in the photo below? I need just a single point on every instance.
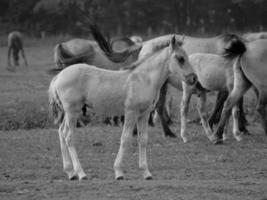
(87, 51)
(133, 92)
(215, 73)
(214, 45)
(249, 70)
(121, 43)
(15, 45)
(249, 37)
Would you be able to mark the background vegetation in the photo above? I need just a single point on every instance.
(124, 17)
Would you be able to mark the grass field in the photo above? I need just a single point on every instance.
(31, 165)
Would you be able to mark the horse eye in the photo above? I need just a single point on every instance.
(180, 59)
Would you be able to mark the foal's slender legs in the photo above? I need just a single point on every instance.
(201, 107)
(128, 127)
(71, 120)
(67, 163)
(142, 125)
(187, 93)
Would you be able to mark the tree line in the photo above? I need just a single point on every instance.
(126, 17)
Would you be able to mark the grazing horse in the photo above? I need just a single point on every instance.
(15, 45)
(249, 70)
(213, 45)
(214, 73)
(132, 92)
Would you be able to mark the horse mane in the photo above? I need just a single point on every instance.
(158, 45)
(235, 48)
(156, 49)
(105, 46)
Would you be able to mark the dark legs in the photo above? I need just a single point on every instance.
(217, 111)
(160, 107)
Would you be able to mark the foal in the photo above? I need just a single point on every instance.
(133, 92)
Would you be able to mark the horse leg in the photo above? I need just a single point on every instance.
(236, 116)
(67, 162)
(187, 93)
(71, 120)
(261, 108)
(241, 85)
(8, 56)
(160, 109)
(242, 121)
(217, 108)
(142, 141)
(24, 57)
(168, 111)
(201, 107)
(128, 127)
(226, 129)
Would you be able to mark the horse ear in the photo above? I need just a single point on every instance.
(173, 42)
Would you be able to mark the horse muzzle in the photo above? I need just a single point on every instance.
(191, 79)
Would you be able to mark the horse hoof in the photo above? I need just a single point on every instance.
(185, 140)
(218, 141)
(171, 135)
(238, 138)
(83, 178)
(120, 178)
(73, 178)
(148, 178)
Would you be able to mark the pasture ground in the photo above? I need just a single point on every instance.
(31, 165)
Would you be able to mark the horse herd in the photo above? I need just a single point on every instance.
(133, 82)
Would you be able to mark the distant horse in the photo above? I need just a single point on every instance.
(249, 70)
(15, 45)
(214, 45)
(133, 92)
(215, 73)
(249, 37)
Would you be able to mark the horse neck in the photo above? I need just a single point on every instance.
(156, 68)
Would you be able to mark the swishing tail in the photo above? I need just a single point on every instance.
(55, 104)
(236, 48)
(107, 49)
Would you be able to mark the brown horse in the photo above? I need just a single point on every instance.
(15, 45)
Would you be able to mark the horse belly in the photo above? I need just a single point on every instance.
(108, 103)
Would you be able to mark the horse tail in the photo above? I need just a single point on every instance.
(55, 104)
(105, 46)
(235, 48)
